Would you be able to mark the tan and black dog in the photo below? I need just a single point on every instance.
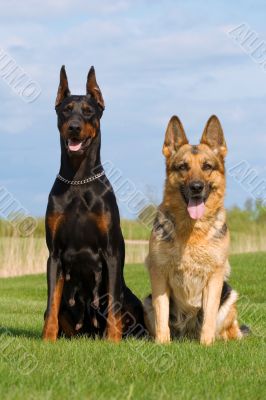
(87, 293)
(188, 252)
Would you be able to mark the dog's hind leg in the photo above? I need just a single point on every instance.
(227, 326)
(66, 325)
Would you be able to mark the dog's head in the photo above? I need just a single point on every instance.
(78, 116)
(196, 173)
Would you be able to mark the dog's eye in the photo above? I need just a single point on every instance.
(207, 167)
(86, 111)
(182, 167)
(68, 109)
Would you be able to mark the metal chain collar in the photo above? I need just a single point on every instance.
(87, 180)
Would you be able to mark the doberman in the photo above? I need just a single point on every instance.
(87, 293)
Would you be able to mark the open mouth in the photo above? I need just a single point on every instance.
(196, 207)
(75, 145)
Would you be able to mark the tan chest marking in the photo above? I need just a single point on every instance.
(102, 221)
(54, 222)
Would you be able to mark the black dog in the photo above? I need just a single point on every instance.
(86, 289)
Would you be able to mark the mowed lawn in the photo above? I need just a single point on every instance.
(135, 369)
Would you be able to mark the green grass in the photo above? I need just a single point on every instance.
(87, 369)
(135, 230)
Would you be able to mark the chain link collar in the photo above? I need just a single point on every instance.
(87, 180)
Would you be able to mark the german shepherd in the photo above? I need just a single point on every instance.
(188, 251)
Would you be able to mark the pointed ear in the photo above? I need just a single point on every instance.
(213, 136)
(175, 137)
(63, 89)
(93, 88)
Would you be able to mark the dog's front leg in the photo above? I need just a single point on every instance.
(114, 322)
(211, 301)
(55, 281)
(160, 301)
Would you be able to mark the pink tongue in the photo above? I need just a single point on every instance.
(196, 208)
(74, 145)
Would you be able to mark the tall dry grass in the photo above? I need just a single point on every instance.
(20, 256)
(248, 243)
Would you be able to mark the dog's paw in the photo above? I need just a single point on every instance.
(114, 338)
(163, 338)
(207, 339)
(49, 336)
(50, 331)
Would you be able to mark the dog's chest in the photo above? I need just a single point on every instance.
(188, 275)
(81, 222)
(187, 269)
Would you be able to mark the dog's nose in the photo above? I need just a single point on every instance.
(74, 128)
(196, 187)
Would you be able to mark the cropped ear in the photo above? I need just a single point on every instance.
(63, 89)
(93, 88)
(175, 137)
(213, 136)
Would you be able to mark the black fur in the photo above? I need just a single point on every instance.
(226, 291)
(83, 232)
(164, 226)
(220, 233)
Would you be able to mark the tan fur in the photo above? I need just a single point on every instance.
(102, 221)
(88, 130)
(114, 322)
(54, 221)
(187, 270)
(51, 323)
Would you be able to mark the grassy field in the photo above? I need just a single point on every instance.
(87, 369)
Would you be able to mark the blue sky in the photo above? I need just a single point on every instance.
(153, 59)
